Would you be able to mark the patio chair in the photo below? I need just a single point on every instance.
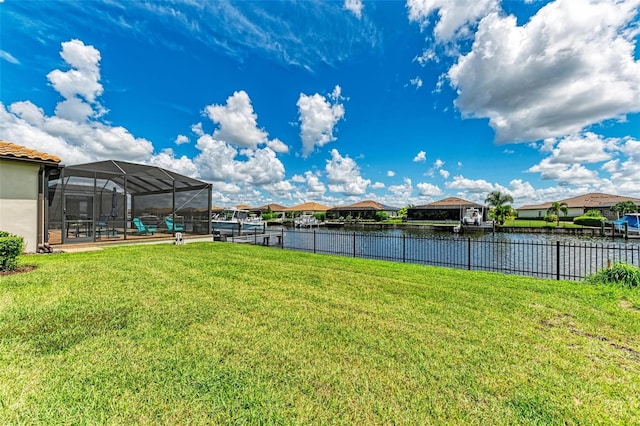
(171, 226)
(142, 228)
(102, 226)
(72, 225)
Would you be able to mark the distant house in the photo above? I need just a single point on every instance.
(269, 208)
(578, 206)
(24, 175)
(309, 207)
(364, 209)
(448, 209)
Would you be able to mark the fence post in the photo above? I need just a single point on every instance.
(282, 237)
(404, 248)
(314, 240)
(354, 244)
(469, 253)
(558, 260)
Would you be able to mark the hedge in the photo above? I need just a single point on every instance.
(11, 246)
(589, 220)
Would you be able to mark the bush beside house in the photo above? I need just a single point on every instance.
(11, 247)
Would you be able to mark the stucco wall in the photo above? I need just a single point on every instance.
(19, 200)
(540, 213)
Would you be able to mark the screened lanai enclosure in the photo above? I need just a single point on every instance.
(117, 200)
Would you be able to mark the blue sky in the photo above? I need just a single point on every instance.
(334, 102)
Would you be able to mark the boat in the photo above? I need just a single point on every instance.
(238, 220)
(472, 216)
(632, 221)
(306, 221)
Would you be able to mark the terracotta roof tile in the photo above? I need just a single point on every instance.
(11, 150)
(310, 207)
(273, 207)
(593, 199)
(365, 205)
(450, 202)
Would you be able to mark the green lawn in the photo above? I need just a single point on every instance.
(217, 333)
(533, 223)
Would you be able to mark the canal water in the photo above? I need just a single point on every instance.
(540, 255)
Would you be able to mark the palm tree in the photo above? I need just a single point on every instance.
(499, 201)
(624, 207)
(556, 208)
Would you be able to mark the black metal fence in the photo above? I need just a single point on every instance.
(545, 259)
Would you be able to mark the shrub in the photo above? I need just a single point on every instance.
(551, 218)
(593, 213)
(620, 274)
(586, 220)
(11, 247)
(381, 216)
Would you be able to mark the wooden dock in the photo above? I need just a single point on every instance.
(266, 238)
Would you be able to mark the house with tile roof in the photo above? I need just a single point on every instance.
(366, 209)
(578, 206)
(310, 207)
(447, 209)
(24, 176)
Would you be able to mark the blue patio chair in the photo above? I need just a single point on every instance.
(142, 228)
(102, 226)
(171, 226)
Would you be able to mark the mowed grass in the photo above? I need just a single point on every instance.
(217, 333)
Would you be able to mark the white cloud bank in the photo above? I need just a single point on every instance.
(73, 133)
(237, 153)
(570, 66)
(454, 18)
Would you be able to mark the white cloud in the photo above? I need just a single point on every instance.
(280, 189)
(570, 66)
(73, 142)
(167, 160)
(377, 185)
(197, 129)
(298, 179)
(181, 139)
(237, 121)
(314, 185)
(354, 6)
(217, 161)
(428, 190)
(625, 172)
(428, 55)
(587, 148)
(76, 139)
(83, 79)
(444, 173)
(611, 166)
(343, 175)
(278, 146)
(318, 118)
(8, 57)
(391, 173)
(420, 156)
(417, 81)
(479, 185)
(564, 173)
(454, 17)
(405, 190)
